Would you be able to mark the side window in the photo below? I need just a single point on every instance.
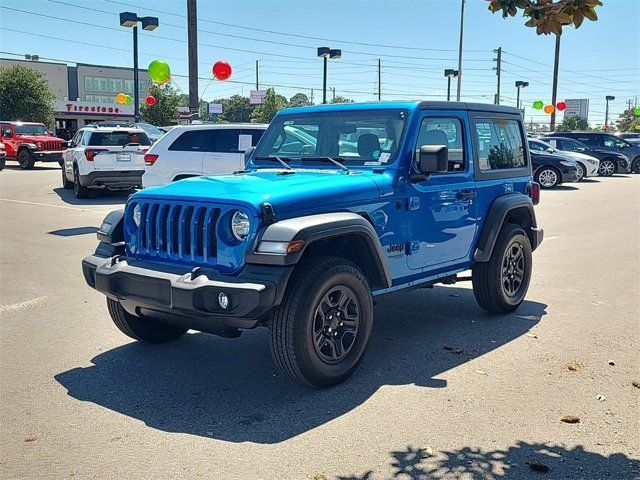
(76, 138)
(84, 139)
(6, 130)
(500, 144)
(191, 141)
(256, 135)
(610, 141)
(224, 140)
(444, 131)
(537, 147)
(594, 140)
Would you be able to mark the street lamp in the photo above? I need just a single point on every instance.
(130, 19)
(450, 73)
(606, 112)
(520, 84)
(327, 53)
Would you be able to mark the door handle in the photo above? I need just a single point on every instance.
(466, 194)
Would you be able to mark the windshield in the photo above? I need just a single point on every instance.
(117, 139)
(30, 130)
(355, 137)
(151, 129)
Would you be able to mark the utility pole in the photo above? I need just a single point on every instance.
(311, 98)
(334, 94)
(379, 81)
(192, 43)
(554, 93)
(498, 68)
(460, 52)
(257, 76)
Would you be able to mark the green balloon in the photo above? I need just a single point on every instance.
(129, 100)
(538, 104)
(159, 71)
(637, 111)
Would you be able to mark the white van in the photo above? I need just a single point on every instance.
(195, 150)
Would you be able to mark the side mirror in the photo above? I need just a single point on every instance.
(550, 150)
(431, 159)
(71, 144)
(247, 154)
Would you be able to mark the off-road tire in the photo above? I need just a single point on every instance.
(487, 277)
(80, 191)
(66, 183)
(140, 328)
(610, 171)
(25, 159)
(292, 326)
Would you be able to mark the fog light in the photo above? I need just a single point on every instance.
(223, 300)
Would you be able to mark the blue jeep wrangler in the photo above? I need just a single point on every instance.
(338, 204)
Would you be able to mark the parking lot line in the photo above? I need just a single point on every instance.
(97, 208)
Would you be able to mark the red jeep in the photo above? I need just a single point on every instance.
(29, 142)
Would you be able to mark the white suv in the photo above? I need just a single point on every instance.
(195, 150)
(104, 158)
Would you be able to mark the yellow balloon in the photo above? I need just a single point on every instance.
(121, 98)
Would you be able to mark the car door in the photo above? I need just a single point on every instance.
(71, 153)
(441, 213)
(8, 140)
(223, 154)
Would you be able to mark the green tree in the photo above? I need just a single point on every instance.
(548, 16)
(628, 121)
(299, 100)
(165, 110)
(235, 109)
(25, 95)
(271, 104)
(340, 99)
(573, 123)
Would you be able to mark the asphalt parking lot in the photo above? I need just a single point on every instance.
(445, 390)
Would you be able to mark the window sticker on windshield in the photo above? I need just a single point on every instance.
(371, 164)
(384, 157)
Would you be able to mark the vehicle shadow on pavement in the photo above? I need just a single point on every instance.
(98, 197)
(229, 389)
(36, 167)
(522, 461)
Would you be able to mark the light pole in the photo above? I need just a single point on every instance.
(606, 112)
(450, 73)
(520, 84)
(460, 52)
(130, 19)
(327, 53)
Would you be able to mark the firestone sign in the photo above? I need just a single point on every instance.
(83, 108)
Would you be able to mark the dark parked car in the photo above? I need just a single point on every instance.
(610, 162)
(607, 142)
(551, 170)
(633, 137)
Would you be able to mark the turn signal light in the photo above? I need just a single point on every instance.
(534, 192)
(150, 159)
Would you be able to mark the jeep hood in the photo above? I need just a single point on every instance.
(38, 138)
(305, 189)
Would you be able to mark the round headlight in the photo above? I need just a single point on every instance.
(137, 214)
(39, 145)
(240, 225)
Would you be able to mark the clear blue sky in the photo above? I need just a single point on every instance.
(598, 59)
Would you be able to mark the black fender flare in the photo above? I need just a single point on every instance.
(324, 226)
(514, 204)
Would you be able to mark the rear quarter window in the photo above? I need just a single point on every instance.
(500, 144)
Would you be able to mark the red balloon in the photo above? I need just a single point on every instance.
(561, 106)
(221, 70)
(151, 100)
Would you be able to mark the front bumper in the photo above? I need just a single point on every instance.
(43, 156)
(112, 179)
(187, 297)
(569, 174)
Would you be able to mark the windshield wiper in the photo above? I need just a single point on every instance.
(330, 159)
(277, 159)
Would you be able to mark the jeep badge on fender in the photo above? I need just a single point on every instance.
(360, 200)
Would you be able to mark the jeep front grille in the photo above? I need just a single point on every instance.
(181, 232)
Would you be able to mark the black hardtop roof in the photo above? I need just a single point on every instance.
(469, 106)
